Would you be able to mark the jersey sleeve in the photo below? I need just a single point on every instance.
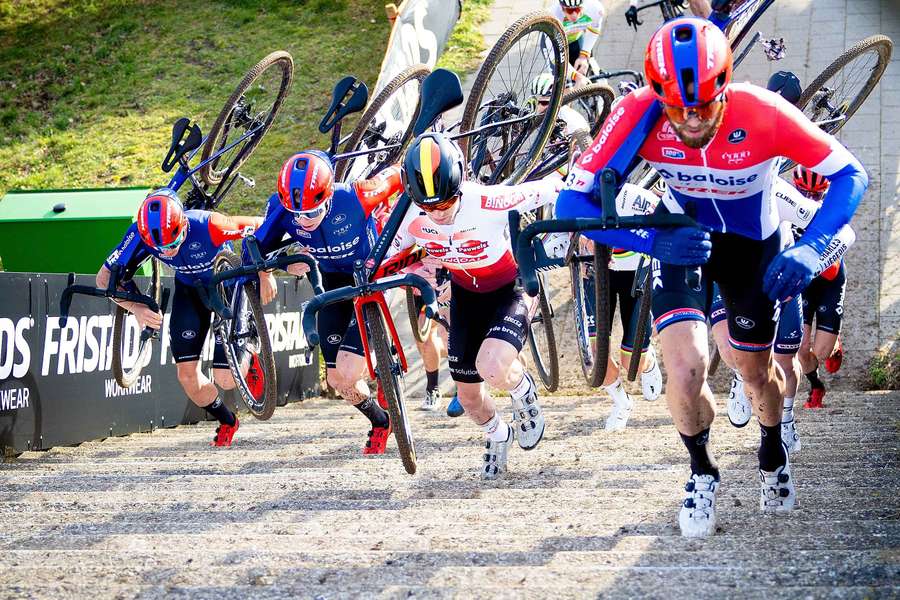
(223, 228)
(403, 240)
(129, 254)
(522, 197)
(592, 33)
(800, 140)
(271, 231)
(378, 190)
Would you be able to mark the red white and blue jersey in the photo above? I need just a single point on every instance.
(730, 181)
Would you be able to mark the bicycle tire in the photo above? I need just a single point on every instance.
(387, 369)
(261, 408)
(126, 377)
(594, 354)
(209, 173)
(583, 139)
(541, 22)
(714, 361)
(418, 72)
(883, 47)
(548, 370)
(420, 332)
(736, 31)
(640, 331)
(601, 317)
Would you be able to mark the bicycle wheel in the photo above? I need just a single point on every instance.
(593, 103)
(253, 105)
(389, 373)
(412, 310)
(590, 281)
(387, 120)
(542, 341)
(245, 336)
(640, 331)
(838, 92)
(127, 365)
(714, 361)
(533, 45)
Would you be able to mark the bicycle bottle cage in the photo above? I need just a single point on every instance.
(440, 92)
(181, 145)
(349, 96)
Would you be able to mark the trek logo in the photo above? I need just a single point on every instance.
(736, 158)
(472, 247)
(502, 202)
(744, 322)
(660, 58)
(710, 56)
(112, 258)
(737, 136)
(673, 153)
(708, 178)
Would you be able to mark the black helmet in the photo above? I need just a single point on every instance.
(432, 170)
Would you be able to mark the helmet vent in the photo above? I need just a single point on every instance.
(684, 34)
(720, 80)
(154, 206)
(657, 87)
(689, 86)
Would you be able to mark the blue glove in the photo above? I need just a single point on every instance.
(790, 272)
(687, 246)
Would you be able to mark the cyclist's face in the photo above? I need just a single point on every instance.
(542, 102)
(572, 13)
(445, 216)
(173, 248)
(696, 125)
(308, 223)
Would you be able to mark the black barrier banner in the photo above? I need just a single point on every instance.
(56, 382)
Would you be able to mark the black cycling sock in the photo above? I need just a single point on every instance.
(771, 453)
(432, 380)
(377, 415)
(220, 411)
(813, 377)
(702, 462)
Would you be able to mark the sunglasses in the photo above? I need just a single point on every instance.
(176, 243)
(704, 112)
(569, 10)
(314, 213)
(442, 205)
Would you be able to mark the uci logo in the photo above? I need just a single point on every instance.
(744, 322)
(737, 136)
(339, 219)
(189, 334)
(195, 245)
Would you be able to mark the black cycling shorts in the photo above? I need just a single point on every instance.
(336, 323)
(620, 284)
(737, 265)
(824, 300)
(476, 316)
(189, 326)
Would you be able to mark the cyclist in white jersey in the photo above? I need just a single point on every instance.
(465, 225)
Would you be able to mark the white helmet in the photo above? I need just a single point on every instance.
(542, 85)
(571, 3)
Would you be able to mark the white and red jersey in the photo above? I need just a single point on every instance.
(730, 180)
(476, 248)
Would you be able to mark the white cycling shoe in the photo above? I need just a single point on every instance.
(790, 437)
(432, 400)
(698, 510)
(777, 493)
(493, 464)
(651, 381)
(618, 416)
(528, 418)
(739, 410)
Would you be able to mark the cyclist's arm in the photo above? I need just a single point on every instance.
(800, 140)
(271, 231)
(379, 189)
(223, 228)
(128, 256)
(597, 13)
(522, 197)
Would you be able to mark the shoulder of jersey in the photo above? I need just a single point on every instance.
(741, 92)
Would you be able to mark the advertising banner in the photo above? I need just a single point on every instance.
(56, 382)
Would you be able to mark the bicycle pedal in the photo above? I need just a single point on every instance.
(247, 181)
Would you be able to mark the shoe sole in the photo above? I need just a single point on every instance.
(543, 429)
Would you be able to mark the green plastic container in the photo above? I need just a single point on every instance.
(64, 231)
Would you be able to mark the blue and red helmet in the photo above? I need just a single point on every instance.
(809, 182)
(306, 181)
(161, 221)
(688, 62)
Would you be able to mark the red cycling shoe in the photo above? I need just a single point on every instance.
(378, 439)
(816, 395)
(256, 378)
(833, 362)
(224, 433)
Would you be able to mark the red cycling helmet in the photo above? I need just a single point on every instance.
(810, 182)
(306, 182)
(688, 62)
(161, 220)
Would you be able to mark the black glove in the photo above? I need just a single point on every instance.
(631, 17)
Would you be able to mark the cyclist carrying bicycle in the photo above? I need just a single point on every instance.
(716, 144)
(582, 21)
(465, 225)
(337, 224)
(187, 241)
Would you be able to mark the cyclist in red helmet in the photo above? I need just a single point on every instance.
(716, 144)
(187, 241)
(823, 301)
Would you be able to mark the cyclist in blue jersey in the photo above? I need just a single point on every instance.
(187, 241)
(337, 224)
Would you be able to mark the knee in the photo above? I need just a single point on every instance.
(335, 379)
(189, 379)
(686, 379)
(757, 374)
(492, 367)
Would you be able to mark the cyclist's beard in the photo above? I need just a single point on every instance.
(698, 142)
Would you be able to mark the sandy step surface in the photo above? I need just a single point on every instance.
(293, 510)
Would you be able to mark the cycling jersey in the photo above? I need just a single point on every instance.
(207, 233)
(586, 27)
(727, 183)
(475, 248)
(348, 230)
